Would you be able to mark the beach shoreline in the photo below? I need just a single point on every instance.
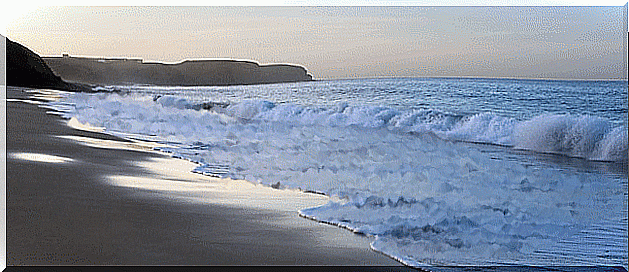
(89, 207)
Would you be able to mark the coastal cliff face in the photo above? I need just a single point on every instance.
(26, 69)
(104, 71)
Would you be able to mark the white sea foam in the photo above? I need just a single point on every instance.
(402, 174)
(580, 136)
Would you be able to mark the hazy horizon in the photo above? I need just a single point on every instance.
(348, 42)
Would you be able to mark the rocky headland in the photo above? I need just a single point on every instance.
(24, 68)
(125, 71)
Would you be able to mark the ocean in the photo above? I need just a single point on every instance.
(440, 171)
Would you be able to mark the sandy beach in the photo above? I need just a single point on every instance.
(72, 202)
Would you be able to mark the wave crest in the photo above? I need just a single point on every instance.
(581, 136)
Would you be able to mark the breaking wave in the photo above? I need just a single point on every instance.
(582, 136)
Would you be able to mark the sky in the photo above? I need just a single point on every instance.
(347, 42)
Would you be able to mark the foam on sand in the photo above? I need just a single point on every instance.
(173, 179)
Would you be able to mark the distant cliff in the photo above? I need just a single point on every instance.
(120, 71)
(26, 69)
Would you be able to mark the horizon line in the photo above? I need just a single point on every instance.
(326, 78)
(475, 77)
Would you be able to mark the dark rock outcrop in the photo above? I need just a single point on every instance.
(120, 71)
(26, 69)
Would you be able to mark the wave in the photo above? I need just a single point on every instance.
(581, 136)
(400, 175)
(586, 137)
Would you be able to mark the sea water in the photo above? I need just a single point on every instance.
(441, 171)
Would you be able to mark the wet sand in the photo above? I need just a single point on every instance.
(104, 206)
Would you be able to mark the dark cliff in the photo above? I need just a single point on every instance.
(120, 71)
(26, 69)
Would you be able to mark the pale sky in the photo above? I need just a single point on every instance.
(347, 42)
